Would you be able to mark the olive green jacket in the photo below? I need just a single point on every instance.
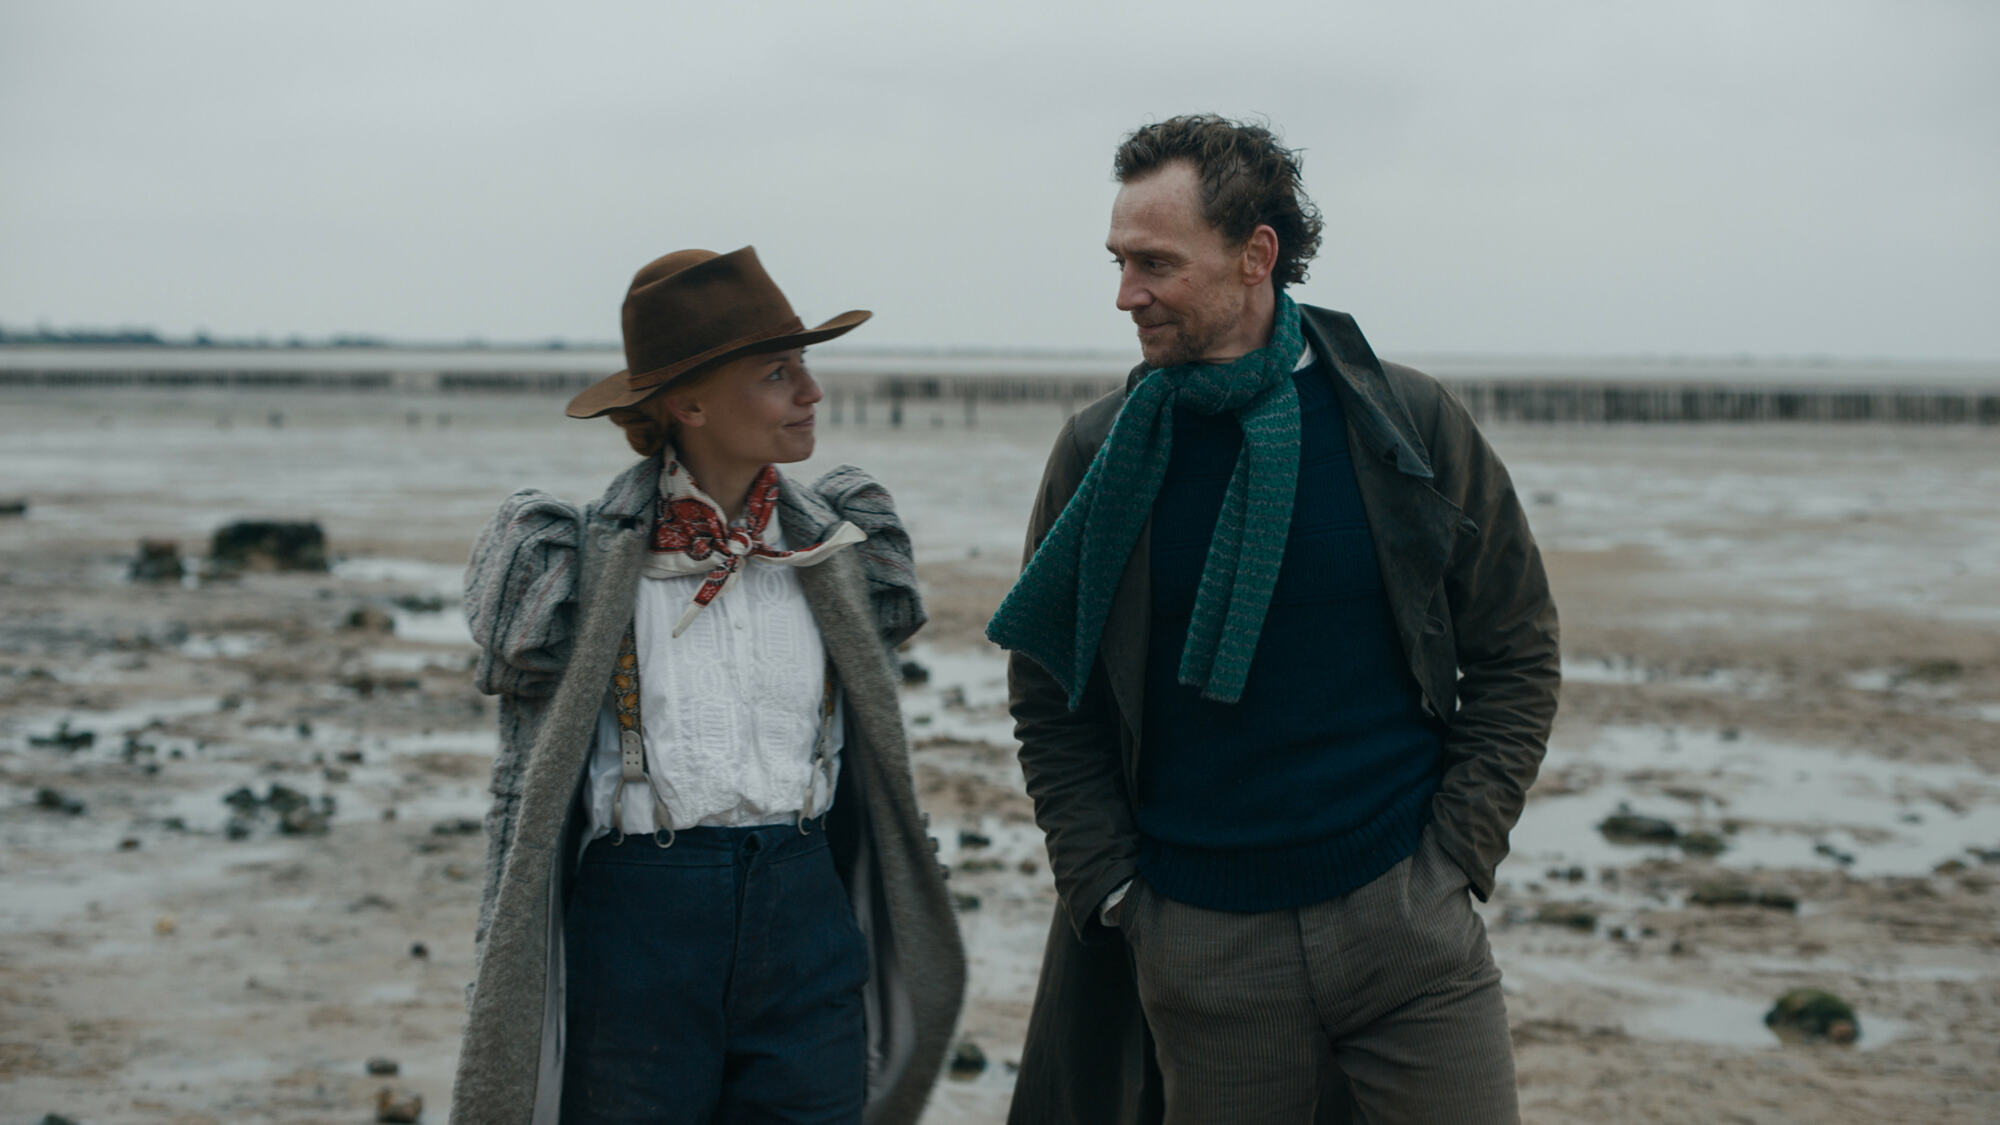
(1472, 609)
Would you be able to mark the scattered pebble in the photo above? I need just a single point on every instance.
(967, 1061)
(1810, 1014)
(55, 800)
(65, 739)
(1575, 915)
(158, 560)
(1625, 827)
(380, 1065)
(398, 1108)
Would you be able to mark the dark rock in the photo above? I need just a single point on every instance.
(420, 951)
(1933, 671)
(368, 619)
(158, 560)
(914, 673)
(967, 1061)
(283, 799)
(1624, 827)
(370, 901)
(14, 506)
(303, 822)
(463, 826)
(1845, 859)
(241, 799)
(1778, 900)
(1703, 843)
(418, 603)
(383, 1066)
(970, 839)
(965, 903)
(65, 739)
(269, 545)
(129, 844)
(1575, 915)
(55, 800)
(981, 865)
(398, 1108)
(1732, 891)
(1722, 892)
(1810, 1014)
(238, 828)
(349, 757)
(1028, 867)
(56, 1119)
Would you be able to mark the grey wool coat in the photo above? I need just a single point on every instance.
(550, 591)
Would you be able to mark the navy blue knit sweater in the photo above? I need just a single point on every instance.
(1319, 779)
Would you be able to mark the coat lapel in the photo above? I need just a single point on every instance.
(1412, 525)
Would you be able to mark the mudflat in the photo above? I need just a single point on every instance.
(238, 815)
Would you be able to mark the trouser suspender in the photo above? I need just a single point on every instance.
(632, 769)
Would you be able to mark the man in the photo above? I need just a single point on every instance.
(1283, 667)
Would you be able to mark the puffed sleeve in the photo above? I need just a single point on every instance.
(520, 594)
(886, 557)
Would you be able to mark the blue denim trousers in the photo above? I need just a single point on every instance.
(717, 980)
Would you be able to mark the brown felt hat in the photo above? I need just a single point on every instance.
(693, 309)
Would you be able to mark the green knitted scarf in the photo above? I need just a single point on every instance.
(1055, 613)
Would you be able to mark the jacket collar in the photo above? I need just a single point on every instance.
(1382, 423)
(631, 492)
(1380, 420)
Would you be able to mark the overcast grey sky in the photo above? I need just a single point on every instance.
(1706, 176)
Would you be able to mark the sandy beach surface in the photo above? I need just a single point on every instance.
(259, 871)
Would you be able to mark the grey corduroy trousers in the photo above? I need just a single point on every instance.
(1393, 985)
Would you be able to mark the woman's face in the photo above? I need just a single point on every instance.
(748, 413)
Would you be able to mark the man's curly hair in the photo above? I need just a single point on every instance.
(1247, 179)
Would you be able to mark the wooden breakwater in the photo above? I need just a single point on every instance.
(859, 384)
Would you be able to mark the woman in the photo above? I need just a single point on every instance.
(709, 892)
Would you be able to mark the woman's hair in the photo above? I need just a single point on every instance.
(644, 432)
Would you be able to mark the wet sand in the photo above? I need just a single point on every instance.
(1786, 638)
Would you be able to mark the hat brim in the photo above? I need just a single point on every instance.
(616, 391)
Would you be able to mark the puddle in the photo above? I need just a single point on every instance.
(109, 727)
(227, 646)
(1628, 672)
(1649, 1009)
(964, 699)
(446, 579)
(403, 660)
(1789, 799)
(44, 897)
(445, 626)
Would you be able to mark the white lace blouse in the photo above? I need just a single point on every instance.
(730, 708)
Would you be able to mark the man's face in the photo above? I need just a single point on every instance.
(1177, 275)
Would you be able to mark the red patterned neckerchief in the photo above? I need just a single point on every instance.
(690, 536)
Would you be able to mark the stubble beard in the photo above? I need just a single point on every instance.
(1184, 344)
